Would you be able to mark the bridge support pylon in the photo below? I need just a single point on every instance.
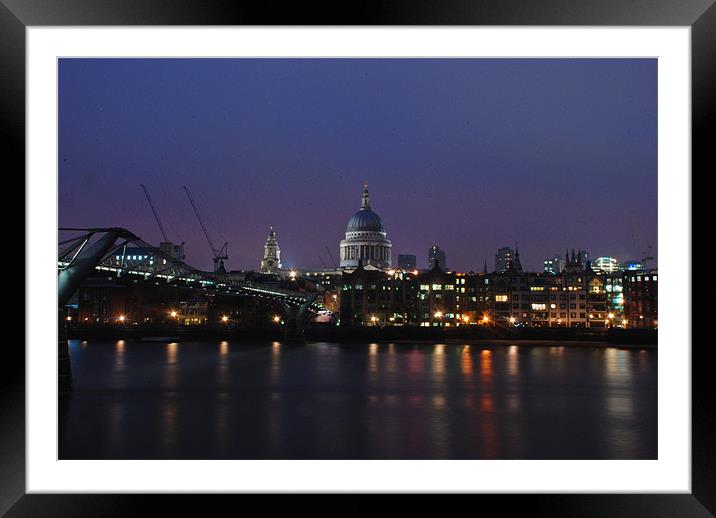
(295, 321)
(64, 367)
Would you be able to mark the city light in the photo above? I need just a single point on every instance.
(69, 318)
(292, 274)
(277, 319)
(610, 316)
(512, 320)
(466, 319)
(121, 318)
(438, 314)
(485, 318)
(224, 318)
(173, 313)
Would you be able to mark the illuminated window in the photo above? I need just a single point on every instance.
(537, 288)
(437, 287)
(539, 307)
(500, 298)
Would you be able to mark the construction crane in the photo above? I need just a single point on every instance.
(331, 256)
(220, 254)
(645, 253)
(154, 211)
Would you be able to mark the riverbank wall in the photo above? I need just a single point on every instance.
(368, 334)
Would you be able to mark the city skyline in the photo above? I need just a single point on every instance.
(551, 154)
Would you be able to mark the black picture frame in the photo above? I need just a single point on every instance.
(700, 15)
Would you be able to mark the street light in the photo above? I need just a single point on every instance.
(121, 318)
(224, 319)
(276, 319)
(173, 313)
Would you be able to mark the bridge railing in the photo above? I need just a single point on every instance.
(148, 262)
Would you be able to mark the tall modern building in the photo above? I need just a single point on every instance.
(407, 262)
(605, 264)
(366, 239)
(554, 265)
(272, 254)
(436, 255)
(503, 258)
(633, 264)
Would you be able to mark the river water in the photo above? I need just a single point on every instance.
(221, 400)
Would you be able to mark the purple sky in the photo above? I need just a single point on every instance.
(468, 154)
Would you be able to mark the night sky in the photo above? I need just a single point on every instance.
(468, 154)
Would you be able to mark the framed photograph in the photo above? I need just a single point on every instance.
(416, 250)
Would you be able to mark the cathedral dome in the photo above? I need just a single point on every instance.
(365, 220)
(366, 241)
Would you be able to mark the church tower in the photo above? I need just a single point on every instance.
(272, 254)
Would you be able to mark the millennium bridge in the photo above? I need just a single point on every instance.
(104, 250)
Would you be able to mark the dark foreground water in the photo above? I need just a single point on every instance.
(395, 401)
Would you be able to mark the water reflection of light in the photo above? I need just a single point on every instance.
(466, 361)
(486, 365)
(439, 401)
(620, 406)
(513, 402)
(222, 376)
(439, 362)
(513, 362)
(391, 363)
(487, 404)
(373, 358)
(617, 364)
(84, 344)
(119, 356)
(275, 361)
(415, 361)
(172, 351)
(171, 366)
(643, 361)
(169, 426)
